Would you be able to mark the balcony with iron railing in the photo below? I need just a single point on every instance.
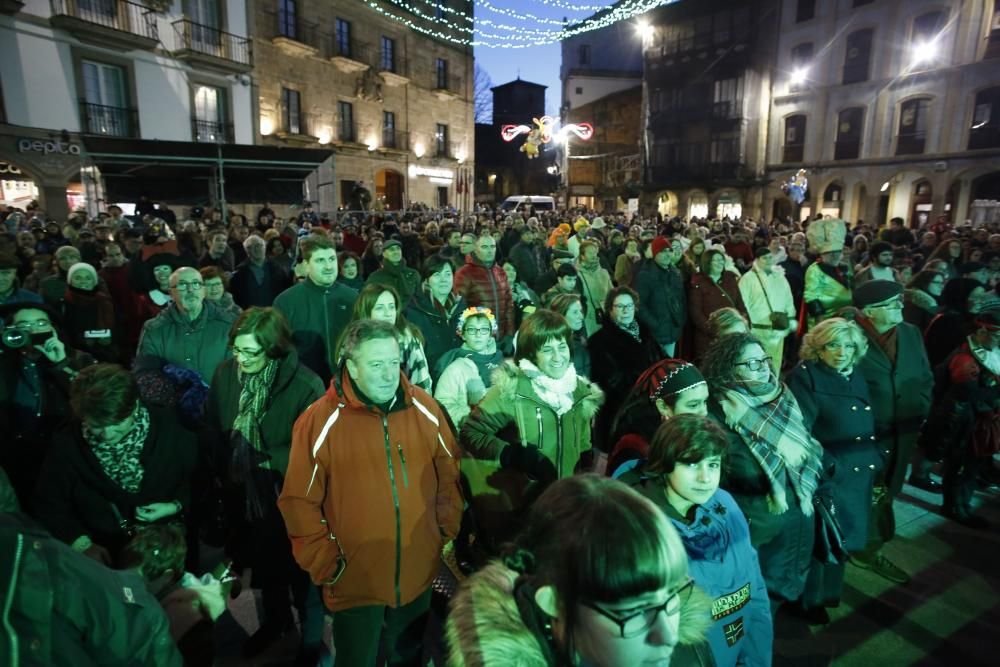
(680, 173)
(911, 143)
(296, 126)
(292, 35)
(350, 55)
(449, 84)
(793, 153)
(109, 121)
(211, 132)
(397, 140)
(847, 149)
(117, 23)
(984, 136)
(394, 71)
(210, 48)
(347, 132)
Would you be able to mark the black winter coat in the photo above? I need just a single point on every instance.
(838, 412)
(436, 324)
(248, 292)
(662, 302)
(616, 362)
(75, 497)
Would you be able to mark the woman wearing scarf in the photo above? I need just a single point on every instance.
(89, 314)
(619, 353)
(836, 408)
(711, 289)
(774, 463)
(920, 300)
(531, 428)
(961, 300)
(118, 465)
(256, 396)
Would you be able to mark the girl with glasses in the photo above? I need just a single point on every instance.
(681, 477)
(597, 577)
(774, 463)
(466, 373)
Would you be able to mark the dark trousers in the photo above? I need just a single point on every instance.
(824, 585)
(961, 468)
(358, 632)
(881, 525)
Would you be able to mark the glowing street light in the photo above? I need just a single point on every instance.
(799, 75)
(885, 186)
(924, 53)
(645, 30)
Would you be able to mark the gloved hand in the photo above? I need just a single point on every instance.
(530, 461)
(475, 389)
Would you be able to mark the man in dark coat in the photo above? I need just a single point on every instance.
(395, 273)
(900, 382)
(528, 257)
(256, 282)
(662, 298)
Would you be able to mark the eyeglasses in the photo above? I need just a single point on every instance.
(895, 304)
(635, 624)
(754, 365)
(189, 287)
(478, 331)
(37, 325)
(625, 307)
(247, 354)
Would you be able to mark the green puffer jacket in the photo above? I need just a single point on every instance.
(171, 338)
(317, 316)
(512, 413)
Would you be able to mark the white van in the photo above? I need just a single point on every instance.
(520, 202)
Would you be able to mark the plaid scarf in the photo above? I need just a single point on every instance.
(246, 440)
(773, 430)
(120, 461)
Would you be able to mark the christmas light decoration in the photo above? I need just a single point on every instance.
(543, 132)
(444, 29)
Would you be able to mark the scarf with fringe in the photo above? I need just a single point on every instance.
(248, 452)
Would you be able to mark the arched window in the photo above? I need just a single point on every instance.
(858, 55)
(850, 123)
(795, 138)
(985, 129)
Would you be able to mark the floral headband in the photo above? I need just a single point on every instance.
(476, 311)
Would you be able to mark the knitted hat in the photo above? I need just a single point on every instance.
(659, 244)
(78, 267)
(826, 235)
(669, 377)
(875, 291)
(580, 224)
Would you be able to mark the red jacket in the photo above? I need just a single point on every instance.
(487, 287)
(386, 485)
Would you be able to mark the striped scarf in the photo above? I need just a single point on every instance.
(246, 440)
(771, 426)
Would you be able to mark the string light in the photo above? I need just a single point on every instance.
(526, 37)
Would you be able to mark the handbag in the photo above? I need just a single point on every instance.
(829, 545)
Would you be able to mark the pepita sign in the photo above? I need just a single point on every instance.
(47, 147)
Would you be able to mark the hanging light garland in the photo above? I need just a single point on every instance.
(523, 37)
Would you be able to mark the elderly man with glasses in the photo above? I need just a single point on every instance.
(900, 382)
(190, 333)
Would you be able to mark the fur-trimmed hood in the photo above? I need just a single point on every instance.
(484, 627)
(514, 385)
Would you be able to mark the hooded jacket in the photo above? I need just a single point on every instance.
(384, 484)
(512, 413)
(487, 286)
(484, 626)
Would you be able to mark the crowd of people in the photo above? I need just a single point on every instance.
(710, 419)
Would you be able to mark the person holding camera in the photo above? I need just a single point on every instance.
(118, 465)
(36, 368)
(767, 296)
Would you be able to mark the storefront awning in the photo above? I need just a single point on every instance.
(184, 172)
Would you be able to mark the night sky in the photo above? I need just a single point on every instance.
(538, 64)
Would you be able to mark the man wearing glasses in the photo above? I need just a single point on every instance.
(36, 368)
(900, 381)
(190, 333)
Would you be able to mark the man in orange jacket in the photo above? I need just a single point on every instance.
(370, 498)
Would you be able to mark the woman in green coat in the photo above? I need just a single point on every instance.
(256, 396)
(531, 428)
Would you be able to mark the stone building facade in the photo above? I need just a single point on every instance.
(394, 104)
(897, 116)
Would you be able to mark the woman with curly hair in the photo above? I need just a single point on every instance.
(597, 576)
(836, 408)
(381, 302)
(774, 463)
(920, 300)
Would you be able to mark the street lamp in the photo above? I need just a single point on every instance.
(923, 52)
(799, 75)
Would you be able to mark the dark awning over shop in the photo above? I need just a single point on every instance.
(187, 172)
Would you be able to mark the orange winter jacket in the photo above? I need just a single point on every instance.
(386, 485)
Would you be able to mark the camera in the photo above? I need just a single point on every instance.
(15, 338)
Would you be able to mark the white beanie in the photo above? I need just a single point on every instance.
(80, 266)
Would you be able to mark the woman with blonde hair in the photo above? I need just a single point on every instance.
(836, 408)
(598, 576)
